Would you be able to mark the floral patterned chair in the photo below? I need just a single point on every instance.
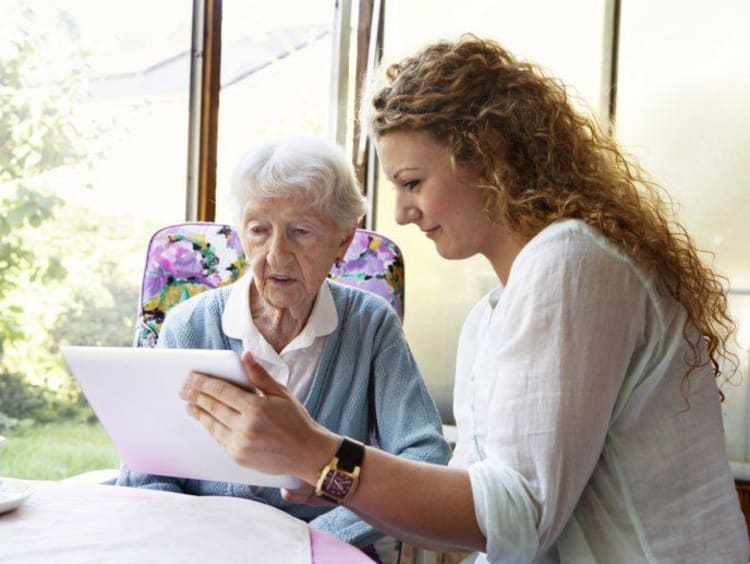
(186, 259)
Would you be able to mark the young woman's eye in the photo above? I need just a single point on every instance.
(411, 185)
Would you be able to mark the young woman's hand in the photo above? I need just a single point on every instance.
(267, 429)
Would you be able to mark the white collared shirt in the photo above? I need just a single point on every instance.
(296, 364)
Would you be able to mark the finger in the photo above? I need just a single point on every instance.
(215, 427)
(223, 413)
(260, 379)
(198, 383)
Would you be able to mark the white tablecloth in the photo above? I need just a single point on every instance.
(72, 523)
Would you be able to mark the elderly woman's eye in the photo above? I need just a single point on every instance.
(257, 230)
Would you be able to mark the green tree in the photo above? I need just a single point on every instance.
(37, 135)
(69, 266)
(18, 262)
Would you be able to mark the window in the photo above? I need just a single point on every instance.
(275, 76)
(683, 111)
(93, 122)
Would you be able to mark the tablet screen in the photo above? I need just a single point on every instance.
(135, 394)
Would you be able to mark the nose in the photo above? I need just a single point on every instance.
(406, 209)
(279, 250)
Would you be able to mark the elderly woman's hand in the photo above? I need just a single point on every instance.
(305, 494)
(267, 429)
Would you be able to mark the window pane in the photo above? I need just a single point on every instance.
(275, 77)
(93, 122)
(683, 109)
(567, 41)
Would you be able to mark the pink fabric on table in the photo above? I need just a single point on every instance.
(327, 549)
(70, 523)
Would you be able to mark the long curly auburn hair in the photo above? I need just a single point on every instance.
(541, 161)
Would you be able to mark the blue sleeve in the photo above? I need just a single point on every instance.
(406, 420)
(347, 526)
(176, 331)
(195, 324)
(131, 479)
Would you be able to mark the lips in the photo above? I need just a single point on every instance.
(280, 278)
(431, 232)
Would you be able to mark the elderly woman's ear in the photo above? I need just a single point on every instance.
(344, 245)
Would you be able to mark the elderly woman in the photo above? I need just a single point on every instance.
(339, 350)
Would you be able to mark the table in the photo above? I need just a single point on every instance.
(74, 523)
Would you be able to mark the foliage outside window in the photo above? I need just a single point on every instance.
(75, 212)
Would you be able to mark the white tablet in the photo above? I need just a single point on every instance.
(135, 394)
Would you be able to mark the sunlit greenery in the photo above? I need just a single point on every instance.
(61, 279)
(69, 448)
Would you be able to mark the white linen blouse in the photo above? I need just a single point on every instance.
(584, 442)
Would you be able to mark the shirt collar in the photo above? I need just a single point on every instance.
(237, 323)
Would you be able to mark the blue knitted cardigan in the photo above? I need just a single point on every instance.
(367, 385)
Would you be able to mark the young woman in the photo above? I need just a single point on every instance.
(589, 424)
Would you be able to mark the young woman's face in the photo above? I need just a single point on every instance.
(444, 203)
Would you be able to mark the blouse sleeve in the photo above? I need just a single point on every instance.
(562, 337)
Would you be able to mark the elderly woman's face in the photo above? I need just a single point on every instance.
(290, 247)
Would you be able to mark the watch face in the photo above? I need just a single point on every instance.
(337, 484)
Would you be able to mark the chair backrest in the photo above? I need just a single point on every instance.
(188, 258)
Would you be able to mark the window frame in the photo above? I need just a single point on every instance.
(205, 86)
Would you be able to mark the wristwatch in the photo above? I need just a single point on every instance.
(339, 478)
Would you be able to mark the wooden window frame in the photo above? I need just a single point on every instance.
(205, 86)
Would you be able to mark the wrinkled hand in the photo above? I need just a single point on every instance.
(305, 494)
(267, 429)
